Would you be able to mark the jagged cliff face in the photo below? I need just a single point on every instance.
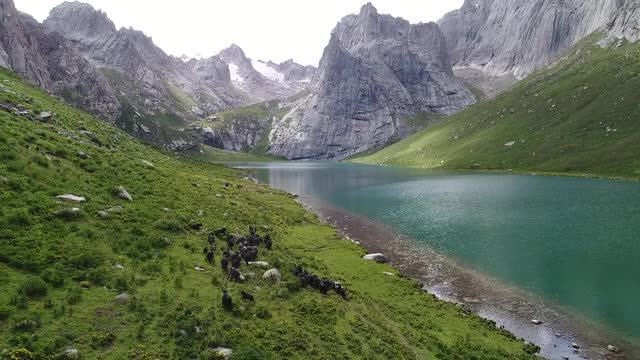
(520, 36)
(625, 23)
(376, 72)
(19, 48)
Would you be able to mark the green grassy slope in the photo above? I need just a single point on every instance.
(59, 279)
(580, 116)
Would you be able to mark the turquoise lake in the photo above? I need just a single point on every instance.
(570, 240)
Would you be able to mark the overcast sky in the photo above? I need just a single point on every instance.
(266, 29)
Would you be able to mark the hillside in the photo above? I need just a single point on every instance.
(579, 116)
(116, 278)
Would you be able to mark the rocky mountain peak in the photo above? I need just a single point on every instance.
(79, 21)
(233, 54)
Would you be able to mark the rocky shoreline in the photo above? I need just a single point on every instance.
(559, 333)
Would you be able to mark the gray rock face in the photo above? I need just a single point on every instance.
(261, 80)
(376, 72)
(238, 130)
(625, 23)
(19, 48)
(520, 36)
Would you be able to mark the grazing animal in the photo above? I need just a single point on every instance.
(205, 250)
(225, 263)
(226, 253)
(236, 261)
(248, 297)
(227, 301)
(219, 232)
(196, 227)
(234, 274)
(210, 257)
(268, 243)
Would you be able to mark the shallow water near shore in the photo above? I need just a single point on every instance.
(561, 250)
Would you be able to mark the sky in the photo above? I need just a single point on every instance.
(275, 30)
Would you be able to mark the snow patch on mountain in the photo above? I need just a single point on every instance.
(236, 77)
(269, 72)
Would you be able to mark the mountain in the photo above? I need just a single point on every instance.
(265, 80)
(505, 41)
(376, 74)
(579, 116)
(19, 48)
(122, 76)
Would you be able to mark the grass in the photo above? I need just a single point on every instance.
(580, 116)
(60, 268)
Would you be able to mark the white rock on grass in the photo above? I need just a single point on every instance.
(222, 352)
(124, 194)
(272, 274)
(147, 163)
(379, 258)
(72, 198)
(122, 299)
(259, 263)
(71, 354)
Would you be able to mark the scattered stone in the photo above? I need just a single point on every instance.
(72, 198)
(536, 322)
(389, 274)
(272, 274)
(103, 214)
(183, 333)
(379, 258)
(83, 155)
(87, 133)
(222, 352)
(124, 194)
(167, 210)
(118, 266)
(259, 263)
(45, 116)
(510, 144)
(147, 163)
(197, 268)
(116, 209)
(613, 349)
(575, 346)
(71, 354)
(122, 299)
(200, 213)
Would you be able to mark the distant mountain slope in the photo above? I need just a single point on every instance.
(376, 73)
(582, 115)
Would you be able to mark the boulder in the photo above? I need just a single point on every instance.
(379, 258)
(122, 299)
(45, 116)
(83, 155)
(222, 352)
(536, 322)
(118, 266)
(71, 354)
(272, 274)
(147, 163)
(72, 198)
(613, 349)
(259, 263)
(103, 214)
(124, 194)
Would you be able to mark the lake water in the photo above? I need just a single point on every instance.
(573, 241)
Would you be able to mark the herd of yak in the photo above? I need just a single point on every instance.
(247, 252)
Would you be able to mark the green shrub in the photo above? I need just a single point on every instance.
(20, 218)
(5, 313)
(103, 339)
(54, 276)
(34, 287)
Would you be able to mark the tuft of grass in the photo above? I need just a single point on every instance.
(579, 116)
